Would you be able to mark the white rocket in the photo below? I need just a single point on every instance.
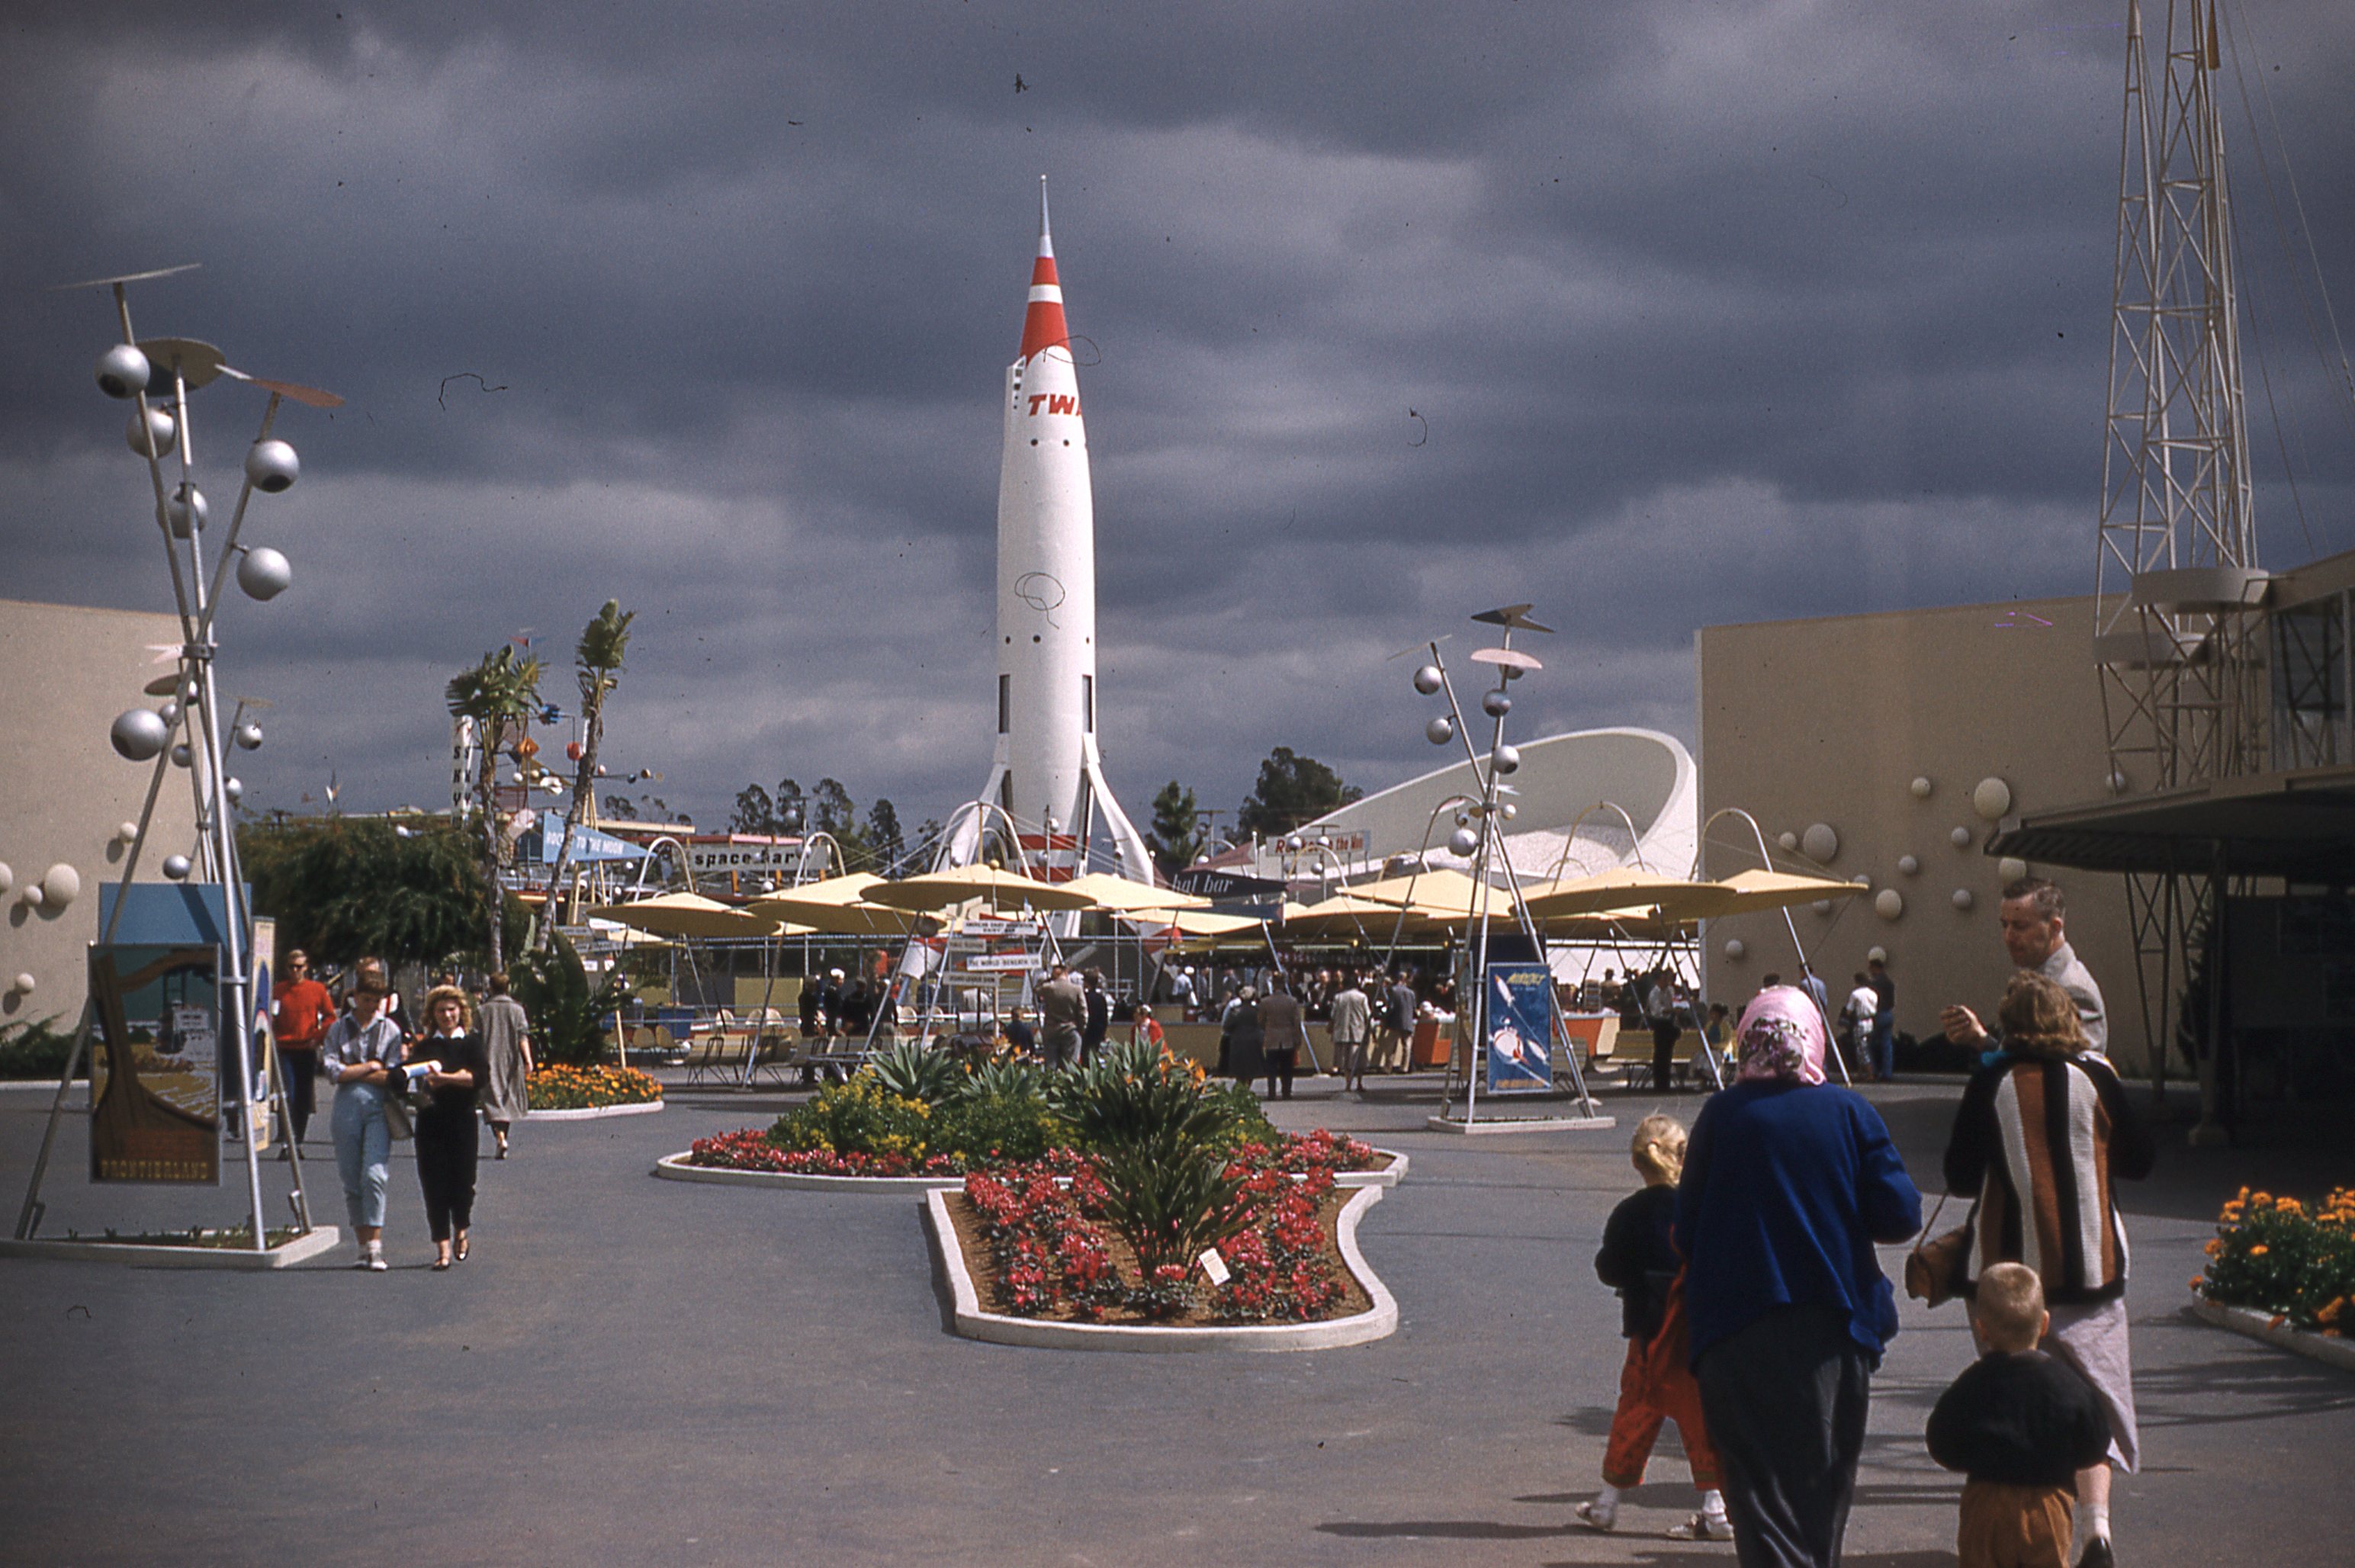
(1047, 773)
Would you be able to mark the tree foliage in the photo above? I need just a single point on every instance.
(498, 694)
(886, 846)
(342, 886)
(597, 659)
(1176, 837)
(1292, 789)
(567, 1014)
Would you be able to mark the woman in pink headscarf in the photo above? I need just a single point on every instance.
(1787, 1184)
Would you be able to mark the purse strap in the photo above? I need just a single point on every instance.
(1930, 1224)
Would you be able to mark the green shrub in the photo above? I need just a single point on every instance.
(34, 1049)
(1171, 1200)
(857, 1117)
(567, 1015)
(2269, 1253)
(996, 1126)
(911, 1072)
(1014, 1077)
(1132, 1096)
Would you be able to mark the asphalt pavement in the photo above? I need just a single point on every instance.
(632, 1370)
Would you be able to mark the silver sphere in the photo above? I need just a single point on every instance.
(248, 736)
(1514, 672)
(180, 755)
(1426, 679)
(170, 710)
(1508, 759)
(177, 867)
(1440, 731)
(272, 467)
(1508, 811)
(187, 510)
(1464, 841)
(158, 421)
(263, 574)
(234, 788)
(123, 371)
(138, 734)
(1496, 704)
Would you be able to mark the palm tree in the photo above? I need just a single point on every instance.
(498, 695)
(602, 644)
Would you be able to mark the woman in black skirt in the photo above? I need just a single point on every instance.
(447, 1142)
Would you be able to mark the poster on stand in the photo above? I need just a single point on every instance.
(155, 1067)
(1521, 1028)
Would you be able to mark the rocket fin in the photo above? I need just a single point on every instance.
(961, 841)
(1135, 861)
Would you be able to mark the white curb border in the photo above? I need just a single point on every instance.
(967, 1318)
(323, 1239)
(675, 1167)
(1526, 1124)
(2259, 1325)
(592, 1113)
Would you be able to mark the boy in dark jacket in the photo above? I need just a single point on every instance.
(1639, 1261)
(2020, 1424)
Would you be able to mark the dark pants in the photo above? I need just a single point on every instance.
(1784, 1400)
(1664, 1053)
(298, 1066)
(1882, 1045)
(1279, 1069)
(447, 1151)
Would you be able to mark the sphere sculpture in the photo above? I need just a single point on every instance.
(2010, 869)
(60, 887)
(1920, 788)
(21, 985)
(1508, 759)
(123, 371)
(1992, 798)
(1819, 842)
(272, 467)
(263, 574)
(1464, 842)
(1734, 949)
(1440, 731)
(187, 510)
(1495, 703)
(1960, 838)
(177, 867)
(1963, 898)
(1889, 903)
(139, 733)
(1426, 679)
(248, 736)
(1908, 864)
(7, 876)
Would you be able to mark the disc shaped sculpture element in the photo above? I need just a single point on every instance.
(138, 734)
(263, 574)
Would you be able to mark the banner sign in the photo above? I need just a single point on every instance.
(1519, 1019)
(980, 927)
(154, 1079)
(1204, 882)
(999, 964)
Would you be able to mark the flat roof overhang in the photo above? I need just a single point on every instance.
(2299, 827)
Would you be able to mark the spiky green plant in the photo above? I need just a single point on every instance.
(913, 1072)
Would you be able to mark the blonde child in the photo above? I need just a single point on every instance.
(1639, 1261)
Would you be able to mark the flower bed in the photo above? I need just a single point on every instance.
(2271, 1255)
(1046, 1246)
(563, 1088)
(754, 1148)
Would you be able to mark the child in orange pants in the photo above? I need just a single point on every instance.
(1656, 1385)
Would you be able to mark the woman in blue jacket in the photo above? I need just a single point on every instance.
(1787, 1184)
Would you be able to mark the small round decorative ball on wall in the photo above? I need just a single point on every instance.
(1876, 955)
(1992, 798)
(1889, 903)
(1962, 898)
(1787, 840)
(23, 984)
(1822, 906)
(7, 876)
(2119, 782)
(1921, 787)
(1909, 865)
(2010, 869)
(1819, 843)
(60, 887)
(1960, 838)
(1734, 949)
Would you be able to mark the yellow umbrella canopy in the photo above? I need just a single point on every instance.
(837, 907)
(1621, 888)
(1343, 914)
(993, 885)
(688, 915)
(1121, 894)
(1747, 892)
(1191, 922)
(1444, 894)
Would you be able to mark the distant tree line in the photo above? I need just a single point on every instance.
(1291, 789)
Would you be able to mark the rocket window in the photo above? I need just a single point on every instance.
(1088, 705)
(1005, 700)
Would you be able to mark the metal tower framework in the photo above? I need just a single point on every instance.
(2179, 638)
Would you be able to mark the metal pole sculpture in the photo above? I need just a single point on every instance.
(187, 730)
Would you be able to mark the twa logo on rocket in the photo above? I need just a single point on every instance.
(1056, 403)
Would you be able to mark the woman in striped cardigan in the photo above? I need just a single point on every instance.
(2043, 1132)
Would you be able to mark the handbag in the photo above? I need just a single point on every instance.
(1935, 1268)
(396, 1119)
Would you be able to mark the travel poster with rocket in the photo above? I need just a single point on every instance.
(1521, 1028)
(155, 1078)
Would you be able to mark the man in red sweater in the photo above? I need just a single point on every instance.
(299, 1012)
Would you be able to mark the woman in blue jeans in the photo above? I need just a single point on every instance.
(1788, 1182)
(361, 1055)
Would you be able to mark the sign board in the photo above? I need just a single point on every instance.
(1203, 882)
(1243, 909)
(154, 1081)
(980, 927)
(997, 963)
(1520, 1023)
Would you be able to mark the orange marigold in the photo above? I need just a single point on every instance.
(2330, 1314)
(2260, 1249)
(2214, 1247)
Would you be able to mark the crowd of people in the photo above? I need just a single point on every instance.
(1756, 1311)
(462, 1065)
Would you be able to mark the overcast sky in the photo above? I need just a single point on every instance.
(1658, 315)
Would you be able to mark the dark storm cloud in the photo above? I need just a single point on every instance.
(1662, 316)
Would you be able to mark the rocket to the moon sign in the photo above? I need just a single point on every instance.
(1047, 773)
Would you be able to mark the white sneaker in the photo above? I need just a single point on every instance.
(1703, 1527)
(1597, 1516)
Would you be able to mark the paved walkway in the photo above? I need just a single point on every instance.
(631, 1370)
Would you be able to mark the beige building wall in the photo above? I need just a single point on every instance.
(65, 672)
(1830, 723)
